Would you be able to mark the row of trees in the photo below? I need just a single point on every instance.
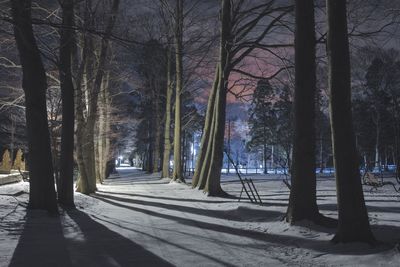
(167, 68)
(353, 223)
(84, 82)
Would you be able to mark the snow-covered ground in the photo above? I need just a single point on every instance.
(140, 220)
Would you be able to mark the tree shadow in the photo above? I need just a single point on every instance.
(166, 198)
(103, 247)
(270, 239)
(239, 214)
(42, 242)
(130, 182)
(370, 208)
(165, 241)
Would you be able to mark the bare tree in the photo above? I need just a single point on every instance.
(167, 127)
(65, 189)
(177, 172)
(86, 127)
(303, 199)
(42, 193)
(238, 40)
(353, 223)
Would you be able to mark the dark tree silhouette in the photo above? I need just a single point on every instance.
(42, 193)
(303, 201)
(177, 174)
(66, 190)
(353, 217)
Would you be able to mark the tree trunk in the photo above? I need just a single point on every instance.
(377, 163)
(86, 183)
(321, 154)
(265, 150)
(353, 217)
(81, 184)
(66, 185)
(88, 151)
(183, 153)
(167, 128)
(177, 173)
(205, 138)
(157, 132)
(98, 141)
(104, 149)
(150, 154)
(210, 168)
(229, 147)
(302, 200)
(102, 132)
(42, 193)
(107, 156)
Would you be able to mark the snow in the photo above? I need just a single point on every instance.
(136, 219)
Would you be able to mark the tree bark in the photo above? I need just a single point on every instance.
(87, 182)
(200, 163)
(66, 186)
(265, 150)
(353, 217)
(167, 128)
(177, 173)
(210, 167)
(102, 151)
(42, 193)
(303, 200)
(157, 132)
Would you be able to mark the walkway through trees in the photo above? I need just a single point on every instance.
(139, 220)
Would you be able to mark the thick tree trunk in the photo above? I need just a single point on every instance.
(88, 154)
(85, 126)
(167, 128)
(42, 193)
(205, 139)
(66, 185)
(353, 217)
(210, 167)
(302, 200)
(177, 173)
(103, 138)
(106, 155)
(87, 180)
(81, 184)
(102, 133)
(213, 185)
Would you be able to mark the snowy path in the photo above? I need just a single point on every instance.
(140, 220)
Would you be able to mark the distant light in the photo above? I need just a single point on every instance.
(120, 157)
(260, 166)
